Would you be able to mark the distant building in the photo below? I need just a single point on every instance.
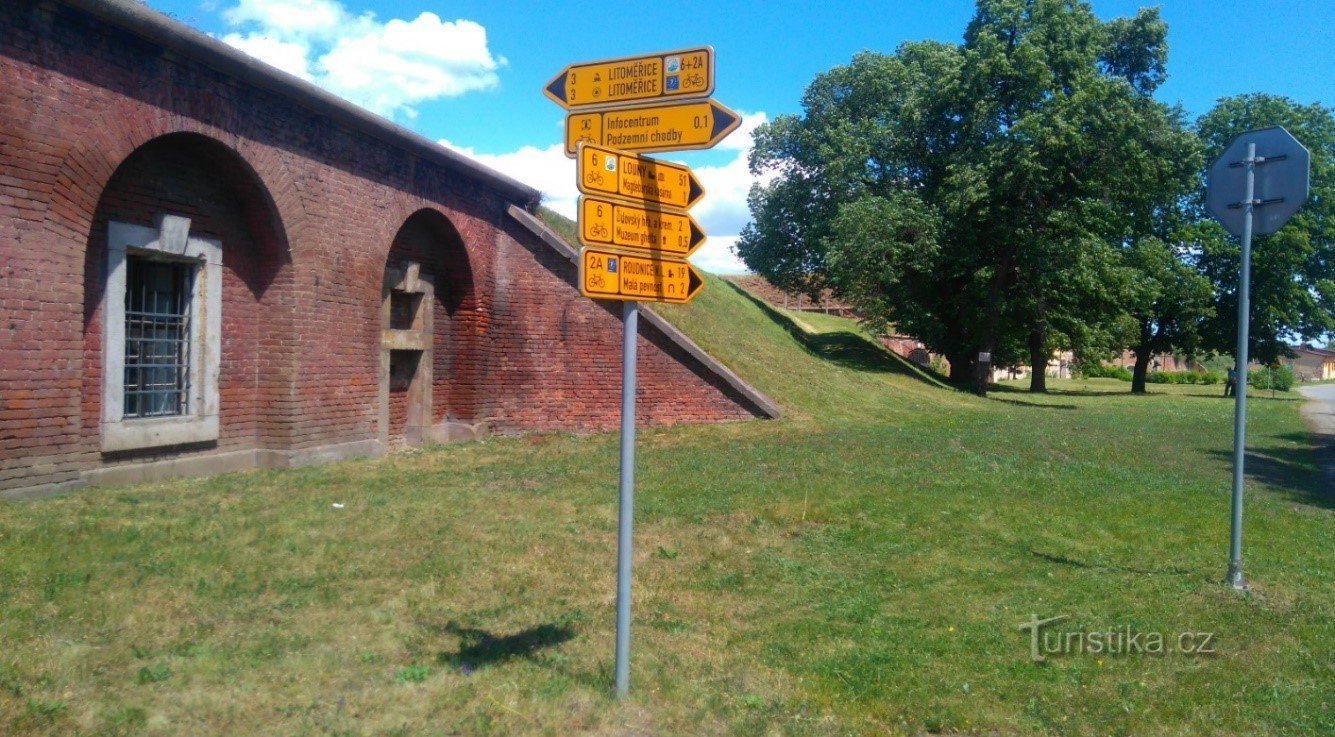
(1158, 362)
(1312, 364)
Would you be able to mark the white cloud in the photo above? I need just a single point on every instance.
(291, 19)
(717, 257)
(741, 139)
(724, 210)
(290, 56)
(388, 68)
(545, 169)
(722, 213)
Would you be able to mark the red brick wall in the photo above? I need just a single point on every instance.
(307, 209)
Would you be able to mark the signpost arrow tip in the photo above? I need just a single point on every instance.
(724, 121)
(696, 192)
(556, 89)
(697, 235)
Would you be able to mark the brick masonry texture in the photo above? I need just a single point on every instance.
(99, 124)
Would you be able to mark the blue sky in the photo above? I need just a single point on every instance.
(469, 73)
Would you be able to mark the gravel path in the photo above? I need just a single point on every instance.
(1319, 411)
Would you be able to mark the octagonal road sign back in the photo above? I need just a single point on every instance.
(1281, 187)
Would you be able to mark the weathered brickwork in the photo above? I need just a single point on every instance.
(99, 123)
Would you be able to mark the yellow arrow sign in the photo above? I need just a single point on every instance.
(638, 228)
(671, 74)
(611, 275)
(672, 126)
(608, 172)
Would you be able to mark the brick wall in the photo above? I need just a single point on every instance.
(307, 208)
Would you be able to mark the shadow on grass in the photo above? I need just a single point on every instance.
(1076, 563)
(848, 350)
(1290, 469)
(479, 648)
(1034, 405)
(1011, 389)
(1253, 397)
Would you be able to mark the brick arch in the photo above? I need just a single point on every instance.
(199, 176)
(429, 256)
(100, 148)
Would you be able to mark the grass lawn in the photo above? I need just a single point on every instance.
(860, 566)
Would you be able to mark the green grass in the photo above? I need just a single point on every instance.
(857, 567)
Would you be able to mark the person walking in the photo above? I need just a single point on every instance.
(1231, 383)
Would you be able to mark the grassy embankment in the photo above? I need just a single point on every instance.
(858, 567)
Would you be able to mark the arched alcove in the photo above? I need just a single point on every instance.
(430, 364)
(186, 213)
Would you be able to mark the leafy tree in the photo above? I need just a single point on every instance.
(1293, 270)
(1172, 303)
(976, 195)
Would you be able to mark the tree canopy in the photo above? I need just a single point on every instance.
(979, 195)
(1293, 270)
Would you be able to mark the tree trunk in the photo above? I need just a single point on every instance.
(961, 370)
(995, 288)
(982, 373)
(1038, 359)
(1143, 356)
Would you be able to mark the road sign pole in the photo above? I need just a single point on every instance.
(630, 318)
(1234, 577)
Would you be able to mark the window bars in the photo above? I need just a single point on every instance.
(157, 337)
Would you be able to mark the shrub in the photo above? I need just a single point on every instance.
(1184, 377)
(1099, 371)
(1278, 378)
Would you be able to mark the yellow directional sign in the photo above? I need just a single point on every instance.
(612, 173)
(611, 275)
(671, 126)
(671, 74)
(638, 228)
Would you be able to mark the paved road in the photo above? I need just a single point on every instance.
(1319, 410)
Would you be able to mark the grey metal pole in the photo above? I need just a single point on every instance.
(630, 317)
(1234, 577)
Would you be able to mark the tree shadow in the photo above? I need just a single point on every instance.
(1253, 397)
(1063, 560)
(1058, 392)
(1035, 405)
(479, 647)
(1291, 469)
(845, 349)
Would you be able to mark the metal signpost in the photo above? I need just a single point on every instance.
(683, 74)
(1259, 181)
(607, 223)
(632, 218)
(612, 275)
(672, 126)
(637, 179)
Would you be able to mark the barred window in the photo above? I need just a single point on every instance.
(157, 337)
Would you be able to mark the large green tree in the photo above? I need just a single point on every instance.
(976, 195)
(1171, 304)
(1293, 270)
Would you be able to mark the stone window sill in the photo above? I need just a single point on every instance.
(158, 433)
